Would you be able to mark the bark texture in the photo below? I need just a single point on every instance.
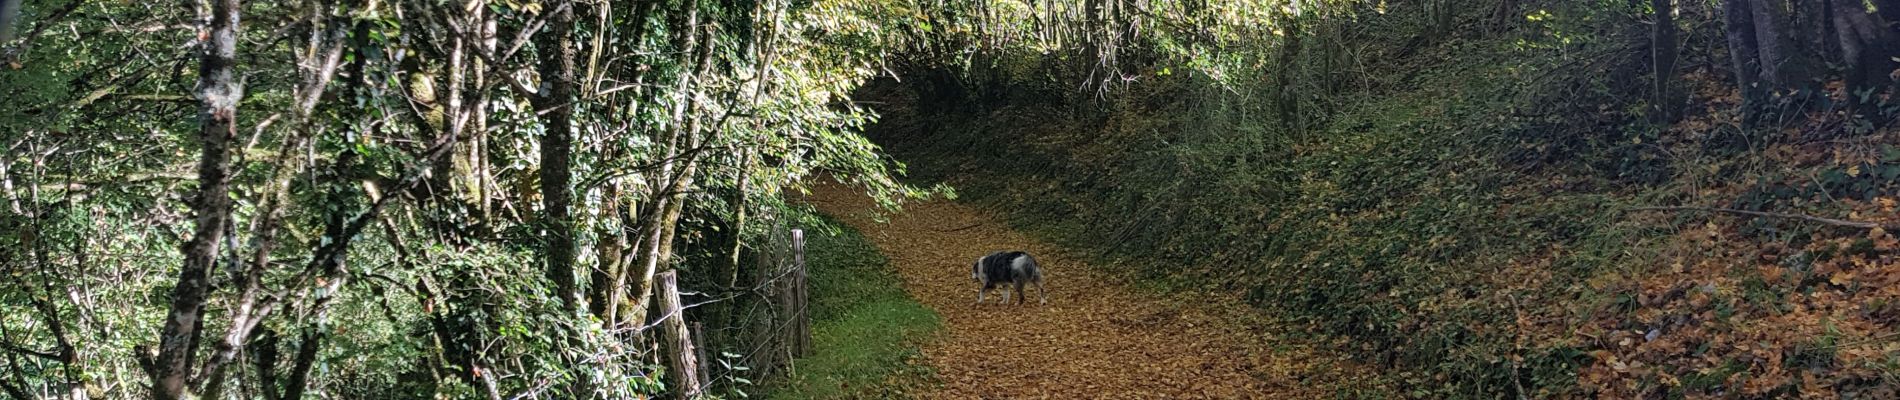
(219, 94)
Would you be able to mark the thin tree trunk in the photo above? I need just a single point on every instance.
(306, 358)
(610, 250)
(656, 251)
(1288, 98)
(326, 52)
(339, 228)
(1742, 47)
(689, 165)
(630, 228)
(746, 164)
(263, 357)
(557, 192)
(1442, 17)
(452, 117)
(668, 224)
(217, 89)
(1664, 61)
(1770, 44)
(478, 147)
(1505, 16)
(801, 297)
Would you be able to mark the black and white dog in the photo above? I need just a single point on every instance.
(1007, 267)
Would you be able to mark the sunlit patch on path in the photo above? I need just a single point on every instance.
(1097, 338)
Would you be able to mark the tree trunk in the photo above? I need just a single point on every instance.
(9, 20)
(1770, 43)
(1743, 49)
(329, 261)
(1288, 98)
(629, 244)
(219, 93)
(1785, 67)
(263, 356)
(1505, 16)
(612, 246)
(1664, 60)
(1442, 18)
(1869, 47)
(676, 170)
(632, 217)
(683, 367)
(683, 179)
(326, 52)
(1814, 30)
(557, 192)
(746, 164)
(298, 378)
(486, 42)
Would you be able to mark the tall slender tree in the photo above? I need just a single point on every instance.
(1288, 98)
(218, 95)
(555, 104)
(1667, 104)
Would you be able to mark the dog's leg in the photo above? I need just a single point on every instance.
(979, 294)
(1021, 297)
(1040, 294)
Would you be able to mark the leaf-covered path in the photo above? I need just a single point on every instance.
(1097, 337)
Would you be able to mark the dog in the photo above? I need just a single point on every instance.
(1005, 267)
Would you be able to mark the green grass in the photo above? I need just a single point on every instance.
(864, 327)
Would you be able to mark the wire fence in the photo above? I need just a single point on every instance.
(750, 333)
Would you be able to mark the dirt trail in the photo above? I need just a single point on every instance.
(1097, 338)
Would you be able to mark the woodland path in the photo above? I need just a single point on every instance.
(1097, 338)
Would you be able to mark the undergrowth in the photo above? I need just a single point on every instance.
(864, 327)
(1441, 225)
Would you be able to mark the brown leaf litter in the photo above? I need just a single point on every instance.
(1097, 337)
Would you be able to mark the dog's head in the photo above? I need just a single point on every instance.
(976, 270)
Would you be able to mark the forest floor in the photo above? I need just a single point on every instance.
(1098, 336)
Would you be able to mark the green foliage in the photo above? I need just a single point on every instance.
(444, 292)
(1403, 218)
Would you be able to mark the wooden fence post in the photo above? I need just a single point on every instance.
(699, 354)
(684, 368)
(802, 319)
(765, 362)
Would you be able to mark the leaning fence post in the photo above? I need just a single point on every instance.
(685, 368)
